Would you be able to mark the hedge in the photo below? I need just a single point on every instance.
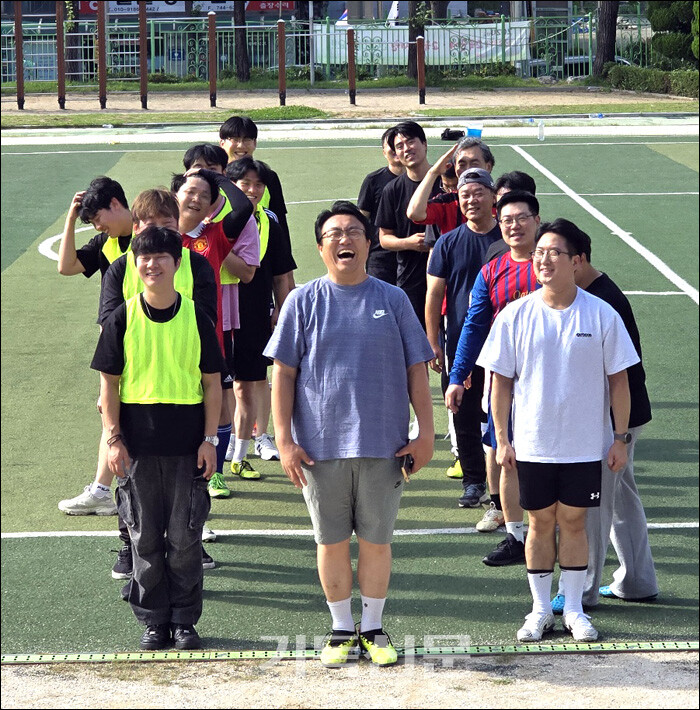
(681, 82)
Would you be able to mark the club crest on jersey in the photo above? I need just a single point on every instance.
(200, 244)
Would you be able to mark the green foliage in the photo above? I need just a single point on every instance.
(674, 27)
(674, 45)
(682, 82)
(670, 16)
(163, 78)
(695, 27)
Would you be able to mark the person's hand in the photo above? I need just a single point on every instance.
(453, 397)
(437, 364)
(421, 449)
(468, 381)
(275, 316)
(206, 459)
(291, 457)
(445, 161)
(416, 242)
(505, 456)
(75, 205)
(118, 459)
(617, 456)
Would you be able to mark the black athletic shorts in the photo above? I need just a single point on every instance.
(227, 377)
(250, 365)
(574, 484)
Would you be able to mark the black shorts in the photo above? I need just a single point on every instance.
(574, 484)
(227, 377)
(250, 365)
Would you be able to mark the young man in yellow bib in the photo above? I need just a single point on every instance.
(160, 362)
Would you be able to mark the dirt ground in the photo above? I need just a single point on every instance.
(620, 680)
(376, 103)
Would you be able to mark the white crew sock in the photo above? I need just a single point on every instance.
(541, 587)
(100, 491)
(517, 530)
(371, 613)
(341, 615)
(240, 449)
(572, 583)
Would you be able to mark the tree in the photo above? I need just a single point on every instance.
(672, 24)
(606, 34)
(418, 13)
(438, 9)
(696, 30)
(241, 42)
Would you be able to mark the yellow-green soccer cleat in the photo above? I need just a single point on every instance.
(217, 487)
(244, 470)
(454, 471)
(337, 648)
(379, 647)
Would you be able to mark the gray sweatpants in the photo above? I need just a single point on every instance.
(620, 519)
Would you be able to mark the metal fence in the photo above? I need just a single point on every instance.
(177, 47)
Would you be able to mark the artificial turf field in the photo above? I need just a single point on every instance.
(57, 592)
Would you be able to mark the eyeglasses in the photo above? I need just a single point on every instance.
(510, 221)
(553, 254)
(335, 235)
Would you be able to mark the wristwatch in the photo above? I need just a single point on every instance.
(625, 438)
(212, 440)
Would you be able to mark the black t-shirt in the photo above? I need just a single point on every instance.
(158, 429)
(255, 297)
(278, 206)
(607, 290)
(368, 200)
(391, 214)
(92, 257)
(498, 248)
(204, 292)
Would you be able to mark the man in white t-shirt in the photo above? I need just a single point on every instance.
(560, 357)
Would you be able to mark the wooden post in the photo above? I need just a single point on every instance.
(420, 58)
(61, 53)
(351, 65)
(281, 63)
(143, 54)
(19, 55)
(102, 9)
(212, 58)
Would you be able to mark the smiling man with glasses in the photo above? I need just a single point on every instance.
(560, 357)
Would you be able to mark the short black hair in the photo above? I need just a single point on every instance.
(472, 142)
(238, 168)
(341, 207)
(576, 239)
(211, 154)
(179, 180)
(156, 240)
(238, 127)
(516, 180)
(518, 196)
(99, 195)
(450, 172)
(388, 136)
(410, 129)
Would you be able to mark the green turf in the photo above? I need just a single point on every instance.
(50, 427)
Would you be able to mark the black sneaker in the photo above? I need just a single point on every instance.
(186, 637)
(207, 560)
(155, 637)
(507, 552)
(124, 566)
(473, 496)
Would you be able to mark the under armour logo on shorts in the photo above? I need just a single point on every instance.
(594, 496)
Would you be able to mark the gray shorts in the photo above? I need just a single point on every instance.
(360, 494)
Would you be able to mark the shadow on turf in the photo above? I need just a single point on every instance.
(678, 450)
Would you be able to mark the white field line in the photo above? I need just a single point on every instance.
(300, 533)
(626, 237)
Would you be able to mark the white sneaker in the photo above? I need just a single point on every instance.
(413, 430)
(228, 456)
(579, 626)
(208, 535)
(492, 520)
(265, 448)
(88, 504)
(535, 626)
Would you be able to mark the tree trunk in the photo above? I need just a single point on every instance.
(606, 32)
(438, 9)
(241, 42)
(416, 27)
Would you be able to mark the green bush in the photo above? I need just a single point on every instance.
(695, 28)
(682, 82)
(163, 78)
(675, 45)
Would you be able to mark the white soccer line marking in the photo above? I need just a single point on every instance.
(626, 237)
(45, 246)
(654, 293)
(299, 533)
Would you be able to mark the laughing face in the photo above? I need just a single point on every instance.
(344, 248)
(411, 152)
(156, 270)
(195, 200)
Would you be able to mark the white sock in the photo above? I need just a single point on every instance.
(100, 491)
(341, 614)
(371, 613)
(541, 588)
(240, 449)
(572, 582)
(517, 530)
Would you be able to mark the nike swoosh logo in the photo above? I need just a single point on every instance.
(379, 314)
